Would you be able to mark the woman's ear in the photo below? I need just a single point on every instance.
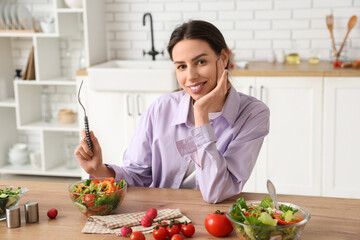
(224, 55)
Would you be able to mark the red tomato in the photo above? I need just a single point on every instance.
(90, 199)
(171, 231)
(177, 225)
(159, 234)
(177, 237)
(218, 225)
(137, 236)
(187, 229)
(52, 213)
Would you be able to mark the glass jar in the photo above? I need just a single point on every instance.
(343, 57)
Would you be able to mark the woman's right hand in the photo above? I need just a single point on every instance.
(90, 160)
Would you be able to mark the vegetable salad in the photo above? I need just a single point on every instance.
(98, 197)
(265, 220)
(9, 196)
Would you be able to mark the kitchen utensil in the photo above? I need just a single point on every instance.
(351, 24)
(13, 218)
(87, 131)
(272, 192)
(330, 26)
(31, 212)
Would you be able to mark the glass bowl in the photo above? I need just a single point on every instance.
(96, 202)
(7, 200)
(280, 232)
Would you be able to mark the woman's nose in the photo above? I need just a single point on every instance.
(192, 73)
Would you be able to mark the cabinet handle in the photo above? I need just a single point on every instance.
(261, 93)
(250, 90)
(138, 104)
(127, 105)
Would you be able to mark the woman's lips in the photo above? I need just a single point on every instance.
(197, 88)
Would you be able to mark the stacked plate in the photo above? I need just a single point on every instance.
(15, 16)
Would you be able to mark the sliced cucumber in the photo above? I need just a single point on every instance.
(81, 207)
(12, 201)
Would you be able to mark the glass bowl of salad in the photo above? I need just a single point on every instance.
(262, 221)
(10, 196)
(97, 196)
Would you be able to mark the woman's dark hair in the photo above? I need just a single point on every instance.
(196, 29)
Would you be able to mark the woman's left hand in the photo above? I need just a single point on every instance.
(214, 100)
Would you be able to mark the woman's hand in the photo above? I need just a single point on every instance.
(91, 161)
(213, 101)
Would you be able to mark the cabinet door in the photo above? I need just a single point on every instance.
(291, 155)
(246, 85)
(341, 153)
(107, 114)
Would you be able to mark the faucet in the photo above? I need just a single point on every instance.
(152, 52)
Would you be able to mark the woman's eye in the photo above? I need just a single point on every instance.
(181, 67)
(201, 62)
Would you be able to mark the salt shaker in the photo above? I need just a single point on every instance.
(13, 219)
(31, 212)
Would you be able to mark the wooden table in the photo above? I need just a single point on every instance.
(332, 218)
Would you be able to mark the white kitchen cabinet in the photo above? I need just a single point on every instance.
(341, 139)
(21, 111)
(113, 117)
(291, 153)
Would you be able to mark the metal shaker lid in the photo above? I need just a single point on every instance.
(13, 219)
(31, 212)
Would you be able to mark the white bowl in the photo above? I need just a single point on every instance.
(47, 27)
(18, 160)
(74, 3)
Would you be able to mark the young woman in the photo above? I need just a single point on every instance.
(206, 136)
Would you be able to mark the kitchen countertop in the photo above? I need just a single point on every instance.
(322, 69)
(331, 218)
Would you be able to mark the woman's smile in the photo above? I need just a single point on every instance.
(197, 87)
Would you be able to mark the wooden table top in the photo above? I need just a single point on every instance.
(332, 218)
(322, 69)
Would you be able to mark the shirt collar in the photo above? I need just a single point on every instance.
(232, 103)
(181, 115)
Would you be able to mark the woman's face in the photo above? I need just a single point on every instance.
(195, 64)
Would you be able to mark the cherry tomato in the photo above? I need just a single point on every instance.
(137, 236)
(171, 231)
(159, 224)
(160, 233)
(177, 225)
(90, 199)
(177, 237)
(187, 229)
(218, 225)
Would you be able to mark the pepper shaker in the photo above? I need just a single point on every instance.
(13, 219)
(31, 212)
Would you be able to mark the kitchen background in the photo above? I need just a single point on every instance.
(253, 30)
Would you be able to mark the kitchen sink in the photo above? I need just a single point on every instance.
(133, 75)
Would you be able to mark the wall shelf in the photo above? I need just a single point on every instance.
(21, 110)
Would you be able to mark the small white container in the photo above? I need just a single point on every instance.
(47, 27)
(74, 3)
(18, 154)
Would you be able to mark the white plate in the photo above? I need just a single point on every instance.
(2, 21)
(6, 13)
(13, 13)
(24, 15)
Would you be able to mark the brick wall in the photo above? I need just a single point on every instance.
(252, 28)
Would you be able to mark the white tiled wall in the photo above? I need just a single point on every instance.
(252, 28)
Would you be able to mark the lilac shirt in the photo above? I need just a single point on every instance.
(165, 142)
